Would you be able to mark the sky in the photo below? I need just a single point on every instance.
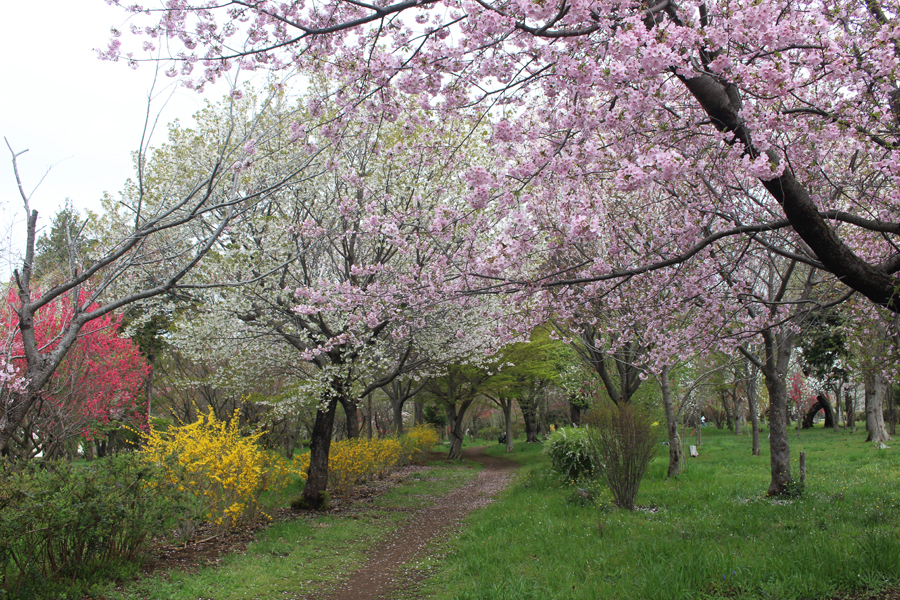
(79, 117)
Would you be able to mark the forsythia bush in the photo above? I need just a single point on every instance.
(224, 471)
(353, 461)
(418, 442)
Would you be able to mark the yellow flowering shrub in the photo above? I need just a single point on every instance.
(225, 471)
(353, 461)
(418, 442)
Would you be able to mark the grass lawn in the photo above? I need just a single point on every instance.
(305, 556)
(708, 534)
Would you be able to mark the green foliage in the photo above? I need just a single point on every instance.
(489, 433)
(569, 449)
(52, 250)
(62, 525)
(434, 414)
(824, 345)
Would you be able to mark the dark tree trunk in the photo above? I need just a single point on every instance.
(753, 407)
(397, 408)
(575, 413)
(675, 456)
(529, 414)
(778, 440)
(507, 416)
(319, 448)
(850, 417)
(821, 403)
(419, 412)
(351, 414)
(455, 421)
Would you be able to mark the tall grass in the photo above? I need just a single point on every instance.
(711, 533)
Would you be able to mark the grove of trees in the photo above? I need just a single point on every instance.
(525, 203)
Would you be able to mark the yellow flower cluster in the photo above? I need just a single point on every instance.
(418, 442)
(224, 471)
(353, 461)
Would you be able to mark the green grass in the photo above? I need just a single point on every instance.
(708, 534)
(306, 556)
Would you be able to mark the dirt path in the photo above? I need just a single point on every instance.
(379, 575)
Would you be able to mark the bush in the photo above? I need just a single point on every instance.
(489, 433)
(622, 440)
(60, 524)
(570, 453)
(226, 473)
(351, 462)
(418, 442)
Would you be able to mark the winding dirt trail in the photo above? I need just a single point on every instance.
(379, 575)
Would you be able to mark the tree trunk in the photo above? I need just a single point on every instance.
(529, 414)
(850, 410)
(575, 413)
(729, 416)
(507, 416)
(778, 436)
(397, 407)
(876, 386)
(837, 407)
(319, 448)
(675, 455)
(351, 414)
(891, 416)
(753, 408)
(455, 424)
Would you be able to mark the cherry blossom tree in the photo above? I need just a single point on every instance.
(635, 140)
(797, 101)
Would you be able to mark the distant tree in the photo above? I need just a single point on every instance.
(825, 354)
(64, 250)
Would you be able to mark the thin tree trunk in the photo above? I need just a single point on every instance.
(850, 409)
(753, 407)
(529, 414)
(369, 416)
(507, 415)
(675, 456)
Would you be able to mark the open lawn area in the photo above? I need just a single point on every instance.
(709, 534)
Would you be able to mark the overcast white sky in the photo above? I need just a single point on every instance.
(79, 115)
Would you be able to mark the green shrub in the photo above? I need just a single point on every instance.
(570, 453)
(622, 441)
(61, 524)
(489, 433)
